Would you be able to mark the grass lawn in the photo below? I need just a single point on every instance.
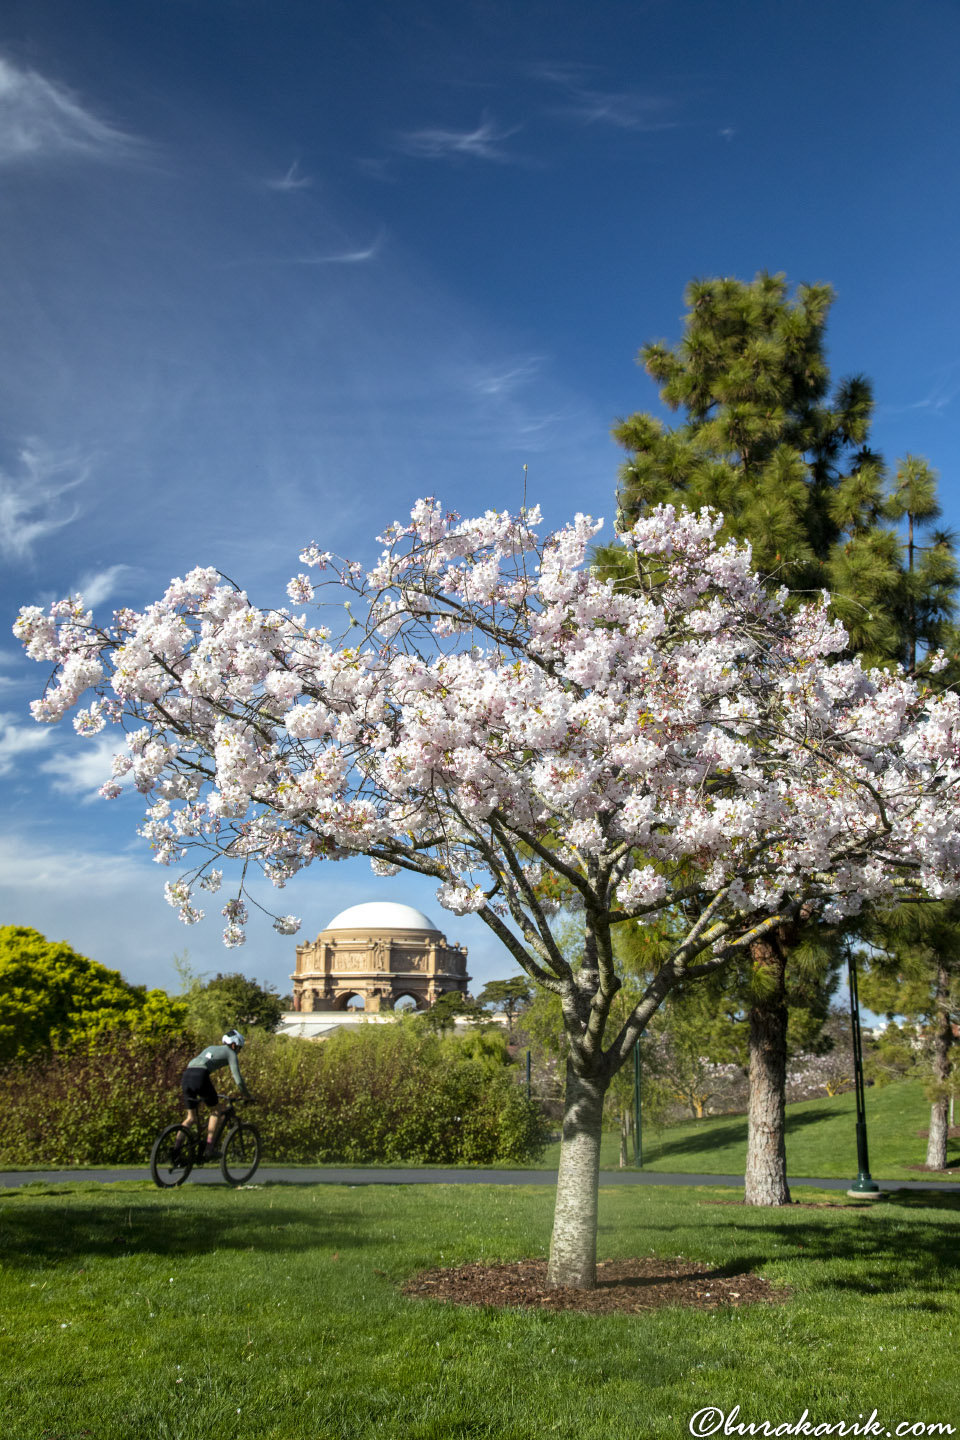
(275, 1311)
(821, 1141)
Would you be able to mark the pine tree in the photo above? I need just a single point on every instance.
(929, 583)
(767, 440)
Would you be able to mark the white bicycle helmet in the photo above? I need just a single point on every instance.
(233, 1037)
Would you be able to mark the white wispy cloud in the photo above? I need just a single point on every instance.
(87, 764)
(624, 110)
(939, 397)
(31, 501)
(592, 105)
(512, 396)
(292, 179)
(343, 257)
(323, 257)
(507, 379)
(483, 143)
(96, 586)
(19, 740)
(39, 118)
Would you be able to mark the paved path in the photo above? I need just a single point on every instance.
(345, 1175)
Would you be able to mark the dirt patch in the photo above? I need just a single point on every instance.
(622, 1286)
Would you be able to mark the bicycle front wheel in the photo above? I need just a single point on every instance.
(241, 1154)
(172, 1156)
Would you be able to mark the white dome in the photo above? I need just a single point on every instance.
(381, 915)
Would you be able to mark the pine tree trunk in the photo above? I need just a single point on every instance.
(766, 1173)
(573, 1248)
(940, 1108)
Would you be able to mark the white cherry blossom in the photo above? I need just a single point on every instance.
(529, 734)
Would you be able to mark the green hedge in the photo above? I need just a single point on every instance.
(390, 1093)
(101, 1105)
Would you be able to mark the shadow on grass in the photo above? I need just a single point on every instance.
(878, 1250)
(30, 1235)
(923, 1200)
(735, 1133)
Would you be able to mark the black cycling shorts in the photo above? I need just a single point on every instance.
(195, 1086)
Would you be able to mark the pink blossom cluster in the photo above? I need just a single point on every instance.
(502, 713)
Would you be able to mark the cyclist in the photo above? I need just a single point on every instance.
(196, 1085)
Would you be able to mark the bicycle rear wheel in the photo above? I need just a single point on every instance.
(241, 1154)
(172, 1157)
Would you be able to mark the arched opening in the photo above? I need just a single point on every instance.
(406, 1003)
(348, 1000)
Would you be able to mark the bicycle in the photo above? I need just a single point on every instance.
(178, 1148)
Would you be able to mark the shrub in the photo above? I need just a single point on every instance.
(392, 1093)
(100, 1105)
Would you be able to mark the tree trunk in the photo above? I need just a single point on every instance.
(573, 1248)
(766, 1174)
(940, 1108)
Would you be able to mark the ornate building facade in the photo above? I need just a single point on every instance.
(379, 953)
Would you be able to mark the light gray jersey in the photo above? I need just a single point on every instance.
(214, 1058)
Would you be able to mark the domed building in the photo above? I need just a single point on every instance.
(377, 957)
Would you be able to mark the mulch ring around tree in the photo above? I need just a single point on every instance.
(623, 1287)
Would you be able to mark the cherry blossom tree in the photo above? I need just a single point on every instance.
(508, 722)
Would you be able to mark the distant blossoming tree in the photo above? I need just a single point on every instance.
(505, 721)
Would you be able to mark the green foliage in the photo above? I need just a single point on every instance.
(50, 996)
(510, 996)
(393, 1092)
(447, 1010)
(930, 584)
(911, 969)
(895, 1054)
(701, 1027)
(542, 1025)
(100, 1104)
(898, 967)
(227, 1002)
(692, 1038)
(486, 1044)
(389, 1093)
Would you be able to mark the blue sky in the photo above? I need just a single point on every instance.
(271, 270)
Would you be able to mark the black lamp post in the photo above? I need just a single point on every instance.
(863, 1188)
(637, 1139)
